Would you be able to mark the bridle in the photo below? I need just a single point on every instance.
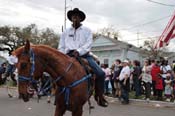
(29, 78)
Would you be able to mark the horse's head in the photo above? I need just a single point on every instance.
(25, 67)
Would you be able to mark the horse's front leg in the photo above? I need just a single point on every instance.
(78, 111)
(59, 111)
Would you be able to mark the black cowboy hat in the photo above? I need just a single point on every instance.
(76, 11)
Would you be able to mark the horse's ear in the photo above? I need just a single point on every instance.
(27, 46)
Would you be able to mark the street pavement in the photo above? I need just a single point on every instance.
(16, 107)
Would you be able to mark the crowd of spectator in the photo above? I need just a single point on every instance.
(152, 80)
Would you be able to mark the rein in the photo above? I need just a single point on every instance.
(55, 81)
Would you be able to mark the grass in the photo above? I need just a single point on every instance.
(142, 97)
(9, 83)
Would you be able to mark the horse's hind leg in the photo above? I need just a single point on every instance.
(78, 112)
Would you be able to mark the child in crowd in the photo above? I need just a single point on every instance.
(159, 87)
(168, 87)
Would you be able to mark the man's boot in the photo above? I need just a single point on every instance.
(99, 97)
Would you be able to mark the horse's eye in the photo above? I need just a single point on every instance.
(23, 65)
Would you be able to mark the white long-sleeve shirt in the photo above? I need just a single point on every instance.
(124, 72)
(79, 39)
(12, 59)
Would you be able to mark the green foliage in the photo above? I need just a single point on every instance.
(109, 31)
(14, 37)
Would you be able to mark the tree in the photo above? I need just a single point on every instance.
(154, 53)
(7, 39)
(13, 37)
(48, 37)
(109, 31)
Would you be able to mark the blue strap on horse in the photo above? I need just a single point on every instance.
(32, 60)
(85, 68)
(44, 88)
(67, 89)
(23, 78)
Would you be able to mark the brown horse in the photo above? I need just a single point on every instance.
(67, 72)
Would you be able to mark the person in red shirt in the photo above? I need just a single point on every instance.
(159, 87)
(155, 70)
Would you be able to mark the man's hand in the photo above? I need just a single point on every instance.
(76, 53)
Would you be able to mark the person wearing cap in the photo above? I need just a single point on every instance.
(124, 82)
(77, 41)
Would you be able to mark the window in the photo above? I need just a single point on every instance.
(106, 61)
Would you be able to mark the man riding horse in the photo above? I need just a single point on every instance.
(77, 41)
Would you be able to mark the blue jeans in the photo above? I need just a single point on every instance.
(125, 91)
(106, 86)
(97, 70)
(137, 86)
(125, 95)
(10, 69)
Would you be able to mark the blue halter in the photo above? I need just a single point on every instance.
(30, 77)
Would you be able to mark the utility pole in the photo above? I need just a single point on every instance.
(65, 10)
(137, 38)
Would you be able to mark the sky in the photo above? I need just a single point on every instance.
(133, 19)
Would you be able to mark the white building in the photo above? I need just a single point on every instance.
(108, 50)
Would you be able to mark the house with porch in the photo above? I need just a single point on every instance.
(108, 50)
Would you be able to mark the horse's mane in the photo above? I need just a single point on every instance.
(49, 49)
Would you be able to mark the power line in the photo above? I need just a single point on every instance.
(161, 3)
(147, 23)
(142, 32)
(144, 38)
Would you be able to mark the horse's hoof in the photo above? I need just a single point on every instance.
(48, 101)
(20, 96)
(10, 96)
(92, 107)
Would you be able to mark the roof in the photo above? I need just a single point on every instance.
(104, 42)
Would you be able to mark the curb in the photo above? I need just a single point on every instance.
(145, 103)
